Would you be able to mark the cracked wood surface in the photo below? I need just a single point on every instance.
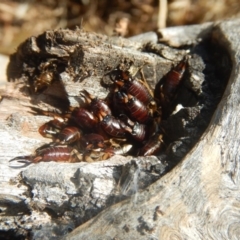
(199, 198)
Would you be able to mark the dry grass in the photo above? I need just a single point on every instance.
(21, 19)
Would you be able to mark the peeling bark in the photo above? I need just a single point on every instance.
(51, 199)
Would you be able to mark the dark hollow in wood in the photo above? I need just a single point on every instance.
(62, 196)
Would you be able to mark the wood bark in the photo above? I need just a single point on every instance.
(198, 199)
(51, 199)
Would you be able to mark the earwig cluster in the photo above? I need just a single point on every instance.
(128, 121)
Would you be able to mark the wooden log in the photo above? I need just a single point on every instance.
(198, 199)
(51, 199)
(50, 192)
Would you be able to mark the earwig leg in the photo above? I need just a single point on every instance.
(105, 156)
(144, 82)
(88, 159)
(76, 156)
(55, 114)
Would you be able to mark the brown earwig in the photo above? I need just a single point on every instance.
(84, 118)
(137, 130)
(52, 128)
(55, 153)
(136, 110)
(173, 79)
(69, 135)
(95, 104)
(167, 88)
(58, 154)
(134, 87)
(112, 126)
(153, 146)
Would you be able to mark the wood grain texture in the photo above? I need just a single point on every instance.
(198, 199)
(48, 199)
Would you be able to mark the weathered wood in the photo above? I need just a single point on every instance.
(76, 192)
(198, 199)
(62, 196)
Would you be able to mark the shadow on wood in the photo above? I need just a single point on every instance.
(189, 202)
(199, 198)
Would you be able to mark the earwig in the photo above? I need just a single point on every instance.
(69, 135)
(55, 153)
(153, 146)
(112, 126)
(84, 118)
(98, 105)
(137, 130)
(131, 86)
(52, 128)
(58, 154)
(173, 79)
(136, 110)
(95, 105)
(130, 117)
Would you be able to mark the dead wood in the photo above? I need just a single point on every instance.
(63, 196)
(198, 198)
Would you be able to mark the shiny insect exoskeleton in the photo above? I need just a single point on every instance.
(50, 153)
(84, 118)
(153, 146)
(134, 108)
(52, 128)
(136, 130)
(167, 88)
(45, 77)
(134, 87)
(127, 121)
(95, 105)
(112, 126)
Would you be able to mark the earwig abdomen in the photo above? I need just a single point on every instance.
(69, 135)
(173, 80)
(84, 118)
(92, 140)
(137, 110)
(112, 126)
(58, 154)
(153, 146)
(138, 90)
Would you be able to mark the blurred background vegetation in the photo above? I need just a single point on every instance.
(21, 19)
